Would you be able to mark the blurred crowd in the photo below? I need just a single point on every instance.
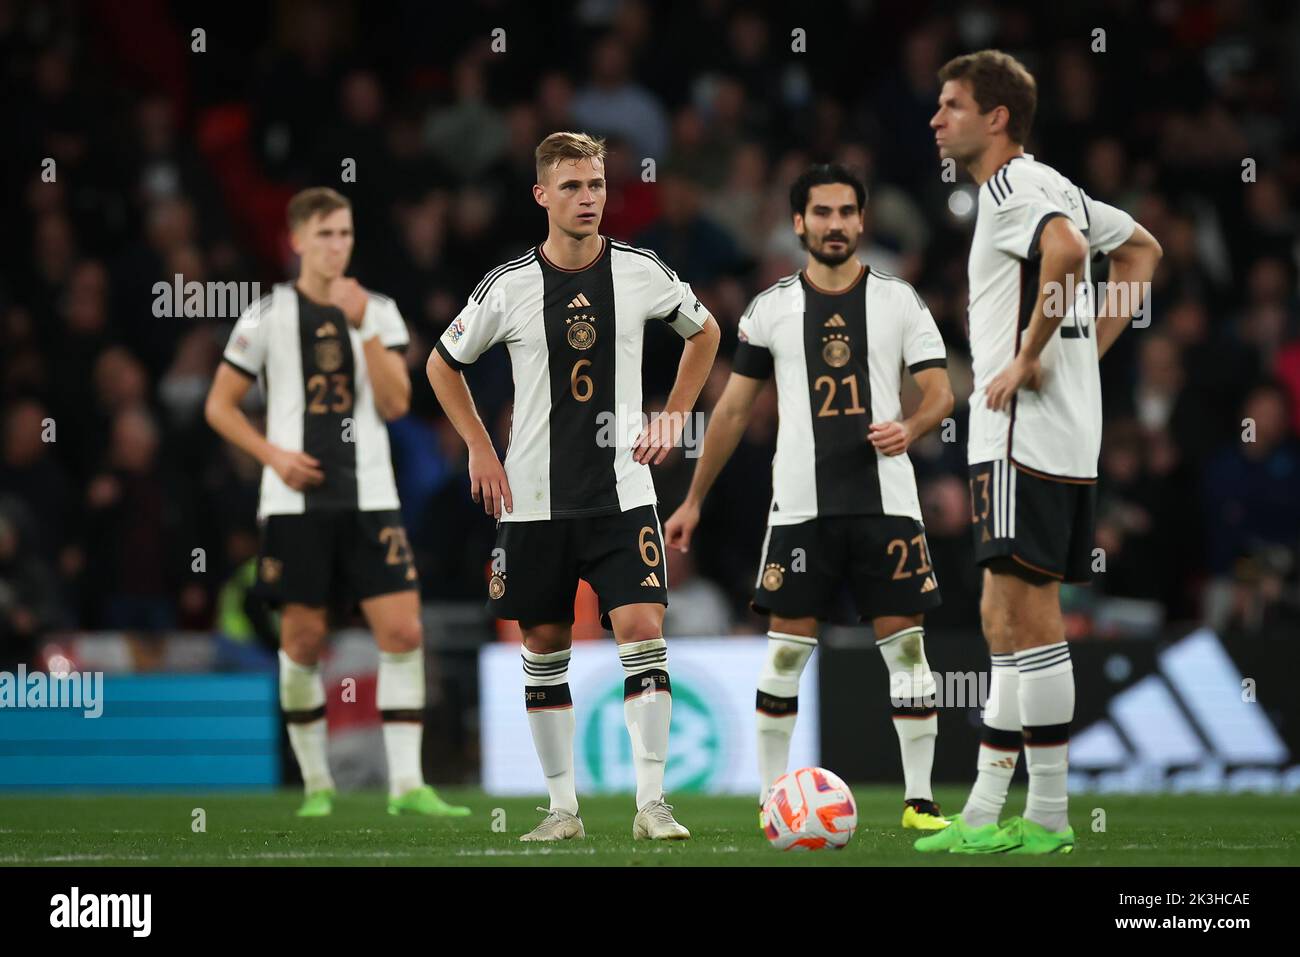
(153, 139)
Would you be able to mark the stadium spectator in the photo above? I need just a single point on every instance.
(1253, 533)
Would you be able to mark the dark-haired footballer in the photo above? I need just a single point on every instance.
(1036, 338)
(837, 336)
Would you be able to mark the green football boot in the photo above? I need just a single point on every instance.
(317, 804)
(1019, 836)
(425, 800)
(993, 840)
(957, 833)
(1036, 839)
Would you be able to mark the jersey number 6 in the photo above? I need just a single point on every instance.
(649, 550)
(581, 385)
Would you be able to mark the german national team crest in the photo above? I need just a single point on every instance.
(497, 583)
(581, 334)
(329, 355)
(270, 570)
(773, 577)
(837, 351)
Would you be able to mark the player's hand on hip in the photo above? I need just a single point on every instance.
(488, 483)
(298, 469)
(350, 296)
(890, 438)
(681, 526)
(1036, 375)
(658, 438)
(1021, 373)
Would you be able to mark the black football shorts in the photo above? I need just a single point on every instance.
(1032, 524)
(333, 557)
(884, 559)
(536, 565)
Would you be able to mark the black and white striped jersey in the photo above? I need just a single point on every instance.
(1057, 428)
(575, 340)
(838, 359)
(319, 399)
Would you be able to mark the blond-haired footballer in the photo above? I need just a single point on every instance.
(331, 358)
(575, 497)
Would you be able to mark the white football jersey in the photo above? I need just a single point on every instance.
(839, 359)
(319, 399)
(575, 339)
(1055, 430)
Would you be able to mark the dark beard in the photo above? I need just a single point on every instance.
(825, 258)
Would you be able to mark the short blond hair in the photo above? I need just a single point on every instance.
(563, 146)
(318, 200)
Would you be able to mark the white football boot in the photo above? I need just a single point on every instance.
(556, 826)
(655, 821)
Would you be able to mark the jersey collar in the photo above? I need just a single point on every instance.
(604, 246)
(1022, 156)
(803, 276)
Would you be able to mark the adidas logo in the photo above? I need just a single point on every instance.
(1177, 729)
(834, 321)
(930, 585)
(579, 302)
(650, 581)
(328, 329)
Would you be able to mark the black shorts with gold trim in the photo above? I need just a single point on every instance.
(883, 559)
(1033, 524)
(333, 558)
(536, 565)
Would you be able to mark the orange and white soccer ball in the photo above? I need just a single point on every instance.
(809, 810)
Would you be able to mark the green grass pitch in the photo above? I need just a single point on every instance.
(260, 829)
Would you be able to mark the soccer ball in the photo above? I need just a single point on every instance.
(809, 810)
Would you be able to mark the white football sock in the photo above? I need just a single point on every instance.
(1046, 710)
(1000, 744)
(400, 697)
(777, 703)
(302, 699)
(916, 721)
(648, 710)
(551, 719)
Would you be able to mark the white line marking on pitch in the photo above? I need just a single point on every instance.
(1217, 847)
(61, 858)
(191, 858)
